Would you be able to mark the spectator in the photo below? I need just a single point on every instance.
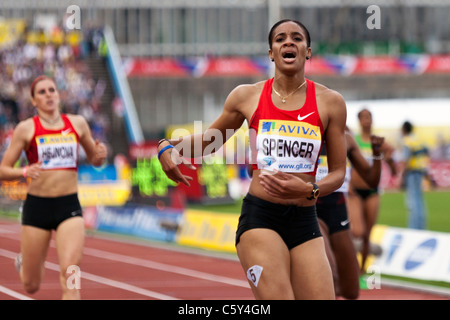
(22, 61)
(416, 161)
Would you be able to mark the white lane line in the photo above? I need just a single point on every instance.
(3, 231)
(164, 267)
(14, 294)
(9, 292)
(159, 266)
(102, 280)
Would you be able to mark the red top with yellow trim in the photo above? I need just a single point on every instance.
(286, 140)
(57, 149)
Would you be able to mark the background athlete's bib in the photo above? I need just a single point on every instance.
(57, 151)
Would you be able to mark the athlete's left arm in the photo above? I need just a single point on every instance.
(388, 151)
(96, 151)
(333, 112)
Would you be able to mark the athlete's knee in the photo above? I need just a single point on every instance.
(70, 277)
(358, 232)
(31, 286)
(350, 293)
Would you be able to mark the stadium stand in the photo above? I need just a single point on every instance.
(62, 56)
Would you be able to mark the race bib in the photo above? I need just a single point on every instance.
(288, 146)
(322, 171)
(57, 151)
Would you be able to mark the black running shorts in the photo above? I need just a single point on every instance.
(48, 213)
(295, 225)
(332, 209)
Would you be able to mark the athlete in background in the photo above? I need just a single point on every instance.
(50, 140)
(364, 200)
(333, 217)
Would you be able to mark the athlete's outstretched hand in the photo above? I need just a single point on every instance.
(170, 159)
(284, 185)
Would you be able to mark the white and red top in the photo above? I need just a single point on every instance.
(57, 149)
(286, 140)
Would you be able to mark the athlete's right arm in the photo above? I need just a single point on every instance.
(211, 140)
(19, 142)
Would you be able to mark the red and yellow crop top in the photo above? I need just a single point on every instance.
(57, 149)
(286, 140)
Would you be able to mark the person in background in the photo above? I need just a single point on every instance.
(416, 160)
(50, 140)
(363, 200)
(333, 217)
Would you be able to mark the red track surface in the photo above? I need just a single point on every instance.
(113, 269)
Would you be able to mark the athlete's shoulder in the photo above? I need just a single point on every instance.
(25, 125)
(243, 96)
(328, 95)
(24, 131)
(75, 118)
(79, 123)
(243, 91)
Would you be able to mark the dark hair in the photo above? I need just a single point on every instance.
(308, 40)
(407, 127)
(362, 110)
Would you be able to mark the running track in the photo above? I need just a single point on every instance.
(137, 270)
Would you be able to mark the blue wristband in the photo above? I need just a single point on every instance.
(164, 149)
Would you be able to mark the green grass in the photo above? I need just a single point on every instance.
(393, 210)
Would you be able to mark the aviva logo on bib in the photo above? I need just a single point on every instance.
(290, 129)
(288, 146)
(56, 139)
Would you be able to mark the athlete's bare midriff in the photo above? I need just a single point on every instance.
(54, 183)
(257, 190)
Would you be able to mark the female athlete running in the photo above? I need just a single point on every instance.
(334, 220)
(364, 200)
(278, 239)
(50, 140)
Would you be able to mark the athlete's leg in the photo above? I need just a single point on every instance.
(371, 206)
(34, 248)
(69, 244)
(355, 211)
(347, 264)
(330, 254)
(265, 248)
(355, 214)
(310, 271)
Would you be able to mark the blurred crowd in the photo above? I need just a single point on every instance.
(23, 60)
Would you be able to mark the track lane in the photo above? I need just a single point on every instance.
(120, 270)
(132, 268)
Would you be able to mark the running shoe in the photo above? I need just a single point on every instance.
(375, 249)
(18, 262)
